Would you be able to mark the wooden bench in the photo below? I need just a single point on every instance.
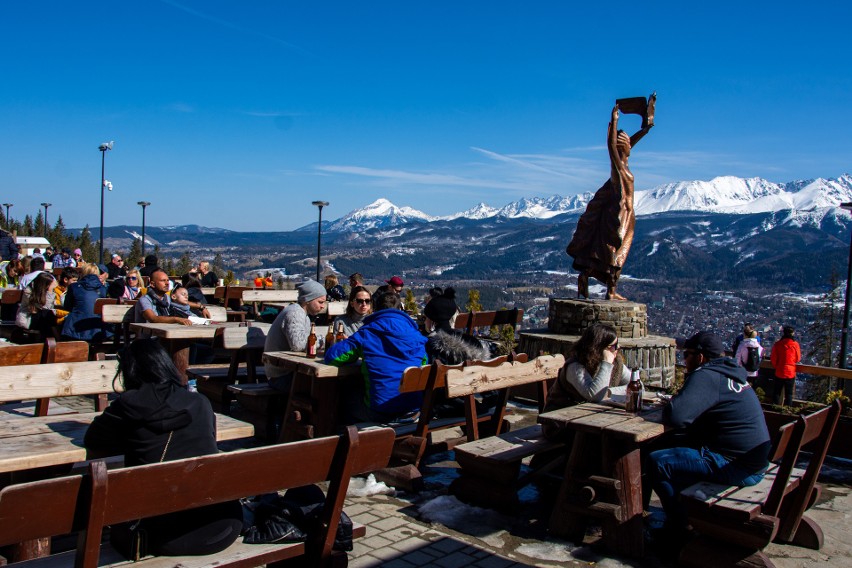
(470, 322)
(120, 316)
(491, 467)
(734, 524)
(52, 380)
(87, 503)
(10, 300)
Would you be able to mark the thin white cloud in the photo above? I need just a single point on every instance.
(230, 25)
(181, 107)
(400, 176)
(269, 114)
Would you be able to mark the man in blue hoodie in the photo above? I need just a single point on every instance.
(722, 417)
(387, 344)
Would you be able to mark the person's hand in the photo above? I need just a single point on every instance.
(609, 355)
(183, 321)
(205, 313)
(615, 114)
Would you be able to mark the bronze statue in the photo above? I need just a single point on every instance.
(605, 230)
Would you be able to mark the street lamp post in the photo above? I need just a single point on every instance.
(7, 205)
(844, 337)
(144, 204)
(319, 204)
(45, 205)
(104, 148)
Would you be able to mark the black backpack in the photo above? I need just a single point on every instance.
(752, 363)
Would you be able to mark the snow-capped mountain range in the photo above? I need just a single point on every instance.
(726, 194)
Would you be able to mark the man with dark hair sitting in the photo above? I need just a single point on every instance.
(388, 342)
(723, 420)
(36, 268)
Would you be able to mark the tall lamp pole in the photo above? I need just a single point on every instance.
(319, 204)
(45, 205)
(844, 337)
(144, 204)
(104, 148)
(7, 205)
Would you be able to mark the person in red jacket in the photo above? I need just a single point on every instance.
(786, 353)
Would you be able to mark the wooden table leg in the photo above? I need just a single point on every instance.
(564, 520)
(297, 422)
(179, 350)
(625, 537)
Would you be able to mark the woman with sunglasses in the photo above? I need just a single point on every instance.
(132, 285)
(593, 367)
(360, 306)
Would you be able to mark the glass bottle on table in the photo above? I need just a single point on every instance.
(634, 393)
(311, 350)
(329, 337)
(340, 336)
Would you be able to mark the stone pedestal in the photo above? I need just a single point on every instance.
(653, 355)
(573, 317)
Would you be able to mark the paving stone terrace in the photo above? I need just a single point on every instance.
(432, 528)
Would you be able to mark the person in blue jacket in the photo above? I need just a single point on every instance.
(82, 323)
(723, 420)
(387, 344)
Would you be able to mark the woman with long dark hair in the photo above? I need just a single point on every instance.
(156, 419)
(593, 367)
(360, 306)
(38, 305)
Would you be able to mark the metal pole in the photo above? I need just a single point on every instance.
(144, 204)
(103, 179)
(7, 205)
(844, 340)
(319, 242)
(44, 230)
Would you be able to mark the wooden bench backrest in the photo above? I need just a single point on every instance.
(48, 380)
(21, 355)
(470, 321)
(65, 351)
(217, 313)
(817, 428)
(101, 302)
(47, 508)
(219, 293)
(334, 309)
(118, 313)
(233, 297)
(242, 337)
(475, 378)
(11, 296)
(261, 295)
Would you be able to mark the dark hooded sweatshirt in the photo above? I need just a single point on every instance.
(721, 412)
(137, 424)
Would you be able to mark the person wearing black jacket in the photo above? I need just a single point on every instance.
(157, 419)
(8, 248)
(722, 417)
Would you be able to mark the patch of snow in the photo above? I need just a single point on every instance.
(654, 250)
(359, 487)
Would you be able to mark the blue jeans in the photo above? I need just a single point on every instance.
(674, 469)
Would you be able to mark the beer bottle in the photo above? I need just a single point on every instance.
(634, 393)
(312, 342)
(329, 337)
(340, 336)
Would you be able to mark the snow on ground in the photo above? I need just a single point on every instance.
(359, 487)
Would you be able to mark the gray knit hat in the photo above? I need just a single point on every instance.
(310, 290)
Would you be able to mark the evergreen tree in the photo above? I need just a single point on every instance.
(409, 304)
(217, 267)
(184, 264)
(825, 330)
(135, 255)
(27, 229)
(473, 304)
(170, 267)
(58, 236)
(38, 228)
(89, 248)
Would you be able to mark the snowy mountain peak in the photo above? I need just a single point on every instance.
(380, 213)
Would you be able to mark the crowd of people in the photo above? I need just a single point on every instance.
(721, 434)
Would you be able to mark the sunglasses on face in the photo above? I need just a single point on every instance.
(132, 278)
(363, 302)
(613, 347)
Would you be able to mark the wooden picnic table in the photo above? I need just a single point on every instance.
(32, 442)
(314, 405)
(178, 338)
(603, 475)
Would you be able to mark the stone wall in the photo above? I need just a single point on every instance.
(653, 355)
(573, 317)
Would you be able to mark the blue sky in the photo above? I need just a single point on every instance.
(239, 114)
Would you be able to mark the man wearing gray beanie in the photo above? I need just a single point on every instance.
(290, 330)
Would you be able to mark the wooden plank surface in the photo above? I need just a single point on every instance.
(476, 379)
(299, 362)
(245, 337)
(508, 447)
(178, 331)
(260, 295)
(118, 313)
(28, 443)
(49, 380)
